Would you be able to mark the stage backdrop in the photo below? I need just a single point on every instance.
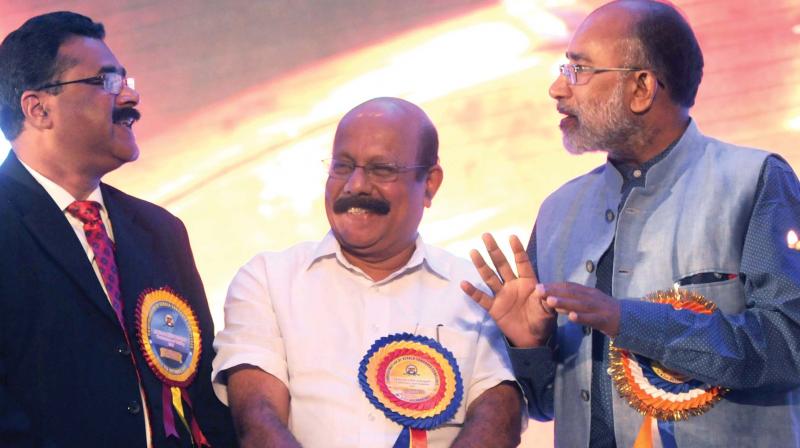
(240, 100)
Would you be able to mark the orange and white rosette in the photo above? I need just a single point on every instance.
(415, 381)
(655, 391)
(169, 337)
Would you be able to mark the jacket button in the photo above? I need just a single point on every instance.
(123, 350)
(589, 266)
(134, 407)
(609, 215)
(587, 330)
(584, 395)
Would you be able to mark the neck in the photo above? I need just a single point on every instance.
(378, 267)
(76, 183)
(658, 132)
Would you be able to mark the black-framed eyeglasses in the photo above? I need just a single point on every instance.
(112, 82)
(378, 172)
(581, 74)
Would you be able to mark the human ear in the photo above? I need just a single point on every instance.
(34, 108)
(645, 90)
(432, 183)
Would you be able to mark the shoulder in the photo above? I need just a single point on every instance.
(134, 207)
(734, 155)
(565, 194)
(299, 256)
(451, 265)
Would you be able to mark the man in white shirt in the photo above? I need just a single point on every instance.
(313, 338)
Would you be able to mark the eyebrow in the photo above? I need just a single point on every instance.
(578, 57)
(112, 69)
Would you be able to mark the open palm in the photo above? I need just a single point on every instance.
(518, 306)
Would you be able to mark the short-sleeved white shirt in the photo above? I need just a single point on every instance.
(307, 316)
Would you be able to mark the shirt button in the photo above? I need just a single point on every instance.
(609, 215)
(637, 173)
(584, 395)
(589, 266)
(587, 330)
(133, 407)
(123, 350)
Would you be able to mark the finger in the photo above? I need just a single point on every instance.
(523, 262)
(498, 258)
(594, 320)
(570, 290)
(539, 296)
(567, 304)
(487, 274)
(477, 295)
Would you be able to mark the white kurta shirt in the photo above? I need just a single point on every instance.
(307, 316)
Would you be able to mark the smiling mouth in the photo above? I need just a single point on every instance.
(127, 122)
(358, 211)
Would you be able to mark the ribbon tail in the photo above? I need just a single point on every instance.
(404, 439)
(666, 429)
(168, 418)
(419, 438)
(645, 437)
(178, 405)
(197, 434)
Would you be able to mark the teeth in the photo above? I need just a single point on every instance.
(357, 211)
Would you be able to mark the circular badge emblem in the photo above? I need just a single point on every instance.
(412, 379)
(651, 388)
(169, 336)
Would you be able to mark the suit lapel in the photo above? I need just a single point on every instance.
(137, 259)
(42, 217)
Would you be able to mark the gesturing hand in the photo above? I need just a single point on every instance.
(518, 306)
(585, 305)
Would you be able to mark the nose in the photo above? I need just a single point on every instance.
(128, 96)
(560, 88)
(358, 182)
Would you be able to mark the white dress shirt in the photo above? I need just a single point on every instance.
(307, 316)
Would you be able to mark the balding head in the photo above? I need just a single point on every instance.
(415, 122)
(654, 35)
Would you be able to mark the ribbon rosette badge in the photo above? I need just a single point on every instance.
(169, 337)
(655, 391)
(414, 381)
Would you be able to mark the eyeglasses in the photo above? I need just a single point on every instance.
(378, 172)
(111, 82)
(581, 74)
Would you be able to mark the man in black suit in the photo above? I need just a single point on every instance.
(105, 332)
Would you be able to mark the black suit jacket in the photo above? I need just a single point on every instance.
(66, 377)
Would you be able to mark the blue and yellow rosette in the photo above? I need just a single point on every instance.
(169, 337)
(414, 381)
(656, 392)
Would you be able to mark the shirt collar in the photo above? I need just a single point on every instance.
(61, 196)
(423, 255)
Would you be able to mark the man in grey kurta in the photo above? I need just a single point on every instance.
(671, 209)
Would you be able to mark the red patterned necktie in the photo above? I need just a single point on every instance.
(89, 213)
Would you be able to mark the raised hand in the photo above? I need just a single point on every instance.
(518, 306)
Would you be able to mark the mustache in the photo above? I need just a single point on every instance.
(378, 206)
(124, 113)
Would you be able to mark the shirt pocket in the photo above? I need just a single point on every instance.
(462, 346)
(728, 295)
